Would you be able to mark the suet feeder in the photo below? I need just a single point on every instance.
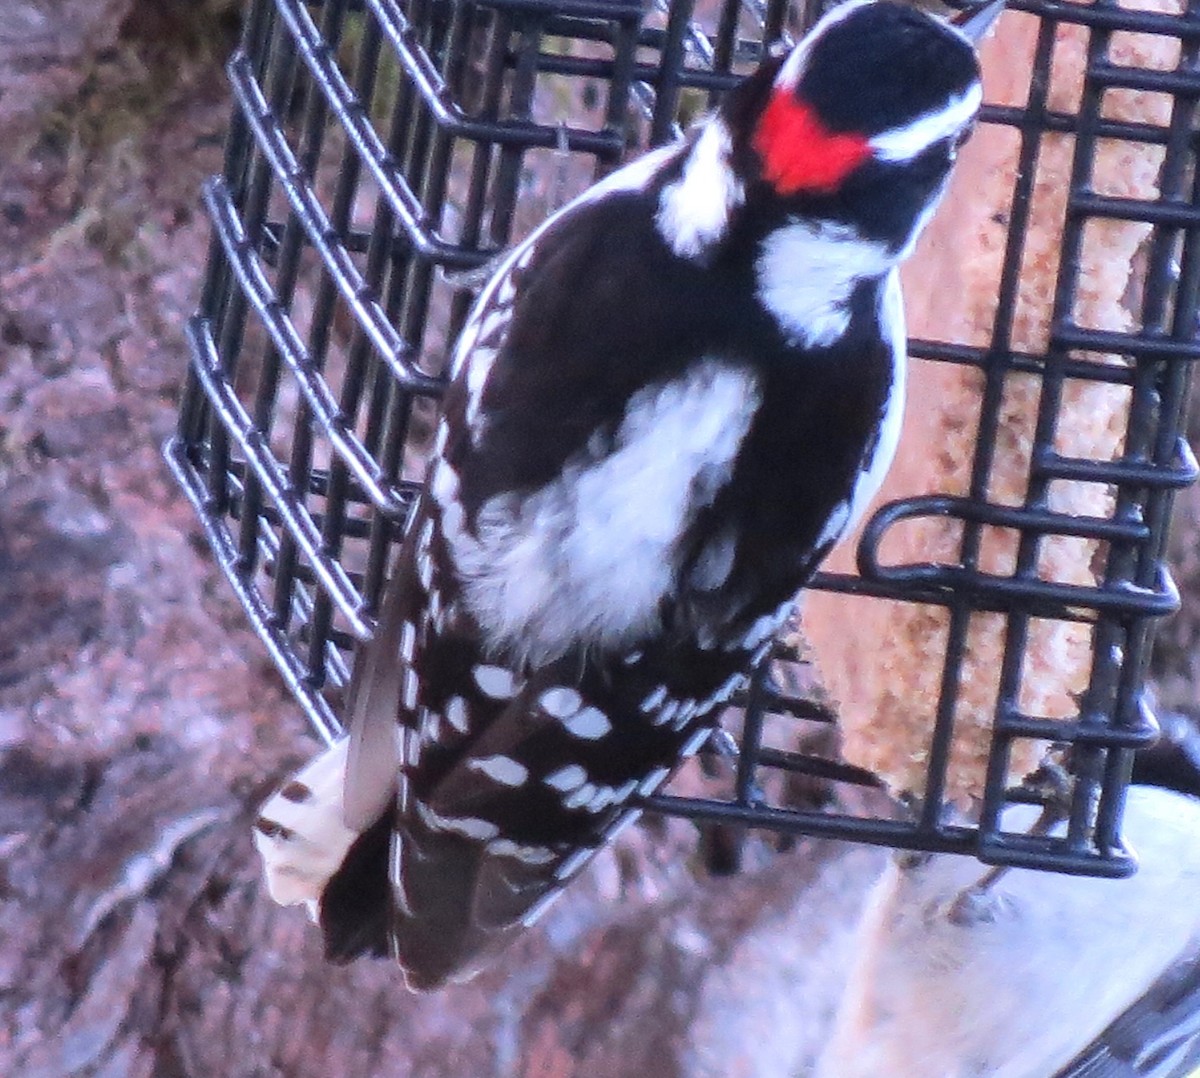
(382, 150)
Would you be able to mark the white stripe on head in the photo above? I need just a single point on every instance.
(793, 66)
(905, 143)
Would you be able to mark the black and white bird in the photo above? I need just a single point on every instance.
(667, 405)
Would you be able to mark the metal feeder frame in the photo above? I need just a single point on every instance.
(379, 149)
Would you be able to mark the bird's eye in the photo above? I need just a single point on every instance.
(956, 142)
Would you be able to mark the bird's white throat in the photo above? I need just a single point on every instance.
(807, 272)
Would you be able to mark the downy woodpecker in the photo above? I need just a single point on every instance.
(667, 405)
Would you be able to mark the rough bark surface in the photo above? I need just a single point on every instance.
(141, 721)
(46, 50)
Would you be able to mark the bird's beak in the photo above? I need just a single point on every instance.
(975, 23)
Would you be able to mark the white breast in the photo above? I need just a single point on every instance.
(587, 559)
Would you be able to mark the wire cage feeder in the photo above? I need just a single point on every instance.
(380, 150)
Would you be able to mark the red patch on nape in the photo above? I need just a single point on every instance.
(798, 153)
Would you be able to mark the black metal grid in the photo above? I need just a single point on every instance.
(379, 148)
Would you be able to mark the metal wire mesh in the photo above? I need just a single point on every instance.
(379, 149)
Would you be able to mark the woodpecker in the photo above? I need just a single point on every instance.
(666, 406)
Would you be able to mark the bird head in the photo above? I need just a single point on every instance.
(863, 119)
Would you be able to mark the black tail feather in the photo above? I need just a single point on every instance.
(356, 905)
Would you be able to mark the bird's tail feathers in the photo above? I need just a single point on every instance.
(301, 833)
